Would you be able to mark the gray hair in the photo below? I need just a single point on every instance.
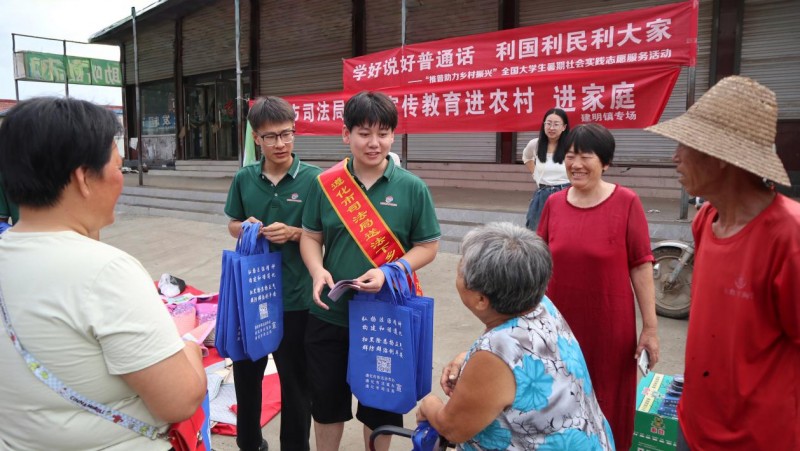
(508, 264)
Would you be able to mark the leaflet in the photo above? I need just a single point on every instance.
(340, 288)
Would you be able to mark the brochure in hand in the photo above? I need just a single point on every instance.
(340, 288)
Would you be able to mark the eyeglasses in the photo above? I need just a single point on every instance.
(271, 139)
(553, 125)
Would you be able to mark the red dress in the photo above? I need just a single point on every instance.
(594, 250)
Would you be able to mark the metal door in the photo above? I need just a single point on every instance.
(200, 121)
(225, 134)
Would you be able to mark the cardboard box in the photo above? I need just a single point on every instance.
(653, 431)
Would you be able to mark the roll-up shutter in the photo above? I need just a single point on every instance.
(468, 147)
(209, 40)
(461, 147)
(303, 44)
(330, 148)
(384, 24)
(634, 147)
(429, 21)
(156, 48)
(771, 50)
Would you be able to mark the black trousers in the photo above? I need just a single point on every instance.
(290, 359)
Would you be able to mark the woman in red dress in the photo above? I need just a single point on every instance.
(597, 233)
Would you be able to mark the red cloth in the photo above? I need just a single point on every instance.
(270, 397)
(212, 357)
(742, 388)
(593, 251)
(190, 289)
(270, 405)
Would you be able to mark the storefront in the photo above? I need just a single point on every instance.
(187, 65)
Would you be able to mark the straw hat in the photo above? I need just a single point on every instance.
(734, 121)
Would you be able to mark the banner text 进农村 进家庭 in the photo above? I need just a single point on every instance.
(626, 98)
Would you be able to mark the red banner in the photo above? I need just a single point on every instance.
(662, 35)
(620, 98)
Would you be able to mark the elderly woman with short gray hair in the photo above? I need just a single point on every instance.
(524, 383)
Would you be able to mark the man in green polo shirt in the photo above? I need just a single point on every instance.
(405, 204)
(274, 192)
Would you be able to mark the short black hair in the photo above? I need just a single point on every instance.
(368, 108)
(592, 138)
(270, 110)
(44, 139)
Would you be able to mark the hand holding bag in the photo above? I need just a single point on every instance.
(192, 434)
(381, 358)
(260, 302)
(250, 314)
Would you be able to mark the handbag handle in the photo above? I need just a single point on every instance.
(250, 241)
(401, 270)
(259, 242)
(390, 285)
(243, 239)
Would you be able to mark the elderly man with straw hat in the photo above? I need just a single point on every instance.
(743, 345)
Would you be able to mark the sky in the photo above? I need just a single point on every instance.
(72, 20)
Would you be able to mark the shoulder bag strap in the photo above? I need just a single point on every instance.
(70, 395)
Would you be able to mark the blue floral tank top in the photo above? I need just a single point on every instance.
(555, 407)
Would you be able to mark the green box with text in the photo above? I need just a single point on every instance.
(652, 431)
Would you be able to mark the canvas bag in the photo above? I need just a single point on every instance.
(424, 305)
(228, 339)
(260, 301)
(193, 433)
(250, 312)
(381, 366)
(423, 336)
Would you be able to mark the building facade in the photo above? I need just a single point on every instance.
(186, 57)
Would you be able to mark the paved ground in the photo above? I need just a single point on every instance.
(191, 250)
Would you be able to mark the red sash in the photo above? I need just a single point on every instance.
(365, 225)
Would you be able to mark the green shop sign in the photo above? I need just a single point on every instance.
(51, 68)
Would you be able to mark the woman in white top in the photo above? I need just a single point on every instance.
(548, 172)
(88, 312)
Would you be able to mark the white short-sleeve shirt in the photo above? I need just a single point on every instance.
(547, 173)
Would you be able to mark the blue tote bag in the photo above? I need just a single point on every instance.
(222, 304)
(424, 305)
(228, 336)
(261, 301)
(250, 314)
(382, 353)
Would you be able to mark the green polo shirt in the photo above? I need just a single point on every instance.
(252, 194)
(8, 209)
(406, 205)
